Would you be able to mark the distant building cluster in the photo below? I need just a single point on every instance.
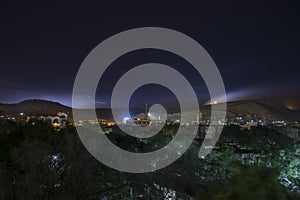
(102, 122)
(61, 120)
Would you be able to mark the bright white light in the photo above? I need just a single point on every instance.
(125, 119)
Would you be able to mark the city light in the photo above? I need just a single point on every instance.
(125, 119)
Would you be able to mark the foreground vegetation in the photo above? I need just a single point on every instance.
(38, 162)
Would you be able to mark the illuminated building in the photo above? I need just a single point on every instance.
(60, 120)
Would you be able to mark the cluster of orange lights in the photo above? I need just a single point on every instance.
(110, 123)
(290, 107)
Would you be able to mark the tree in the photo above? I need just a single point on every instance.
(288, 161)
(251, 183)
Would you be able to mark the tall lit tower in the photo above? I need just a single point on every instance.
(146, 108)
(146, 111)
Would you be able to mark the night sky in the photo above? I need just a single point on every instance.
(255, 46)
